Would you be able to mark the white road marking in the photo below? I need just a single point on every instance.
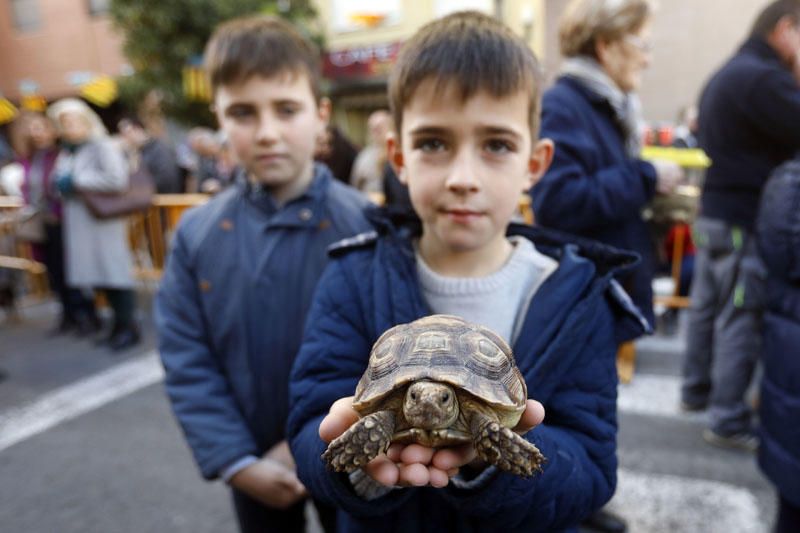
(653, 395)
(657, 503)
(66, 403)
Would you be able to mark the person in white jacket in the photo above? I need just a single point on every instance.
(97, 256)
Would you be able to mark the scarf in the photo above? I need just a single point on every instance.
(626, 106)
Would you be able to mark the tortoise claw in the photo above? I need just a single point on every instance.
(361, 443)
(500, 446)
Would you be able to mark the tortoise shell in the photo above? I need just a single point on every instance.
(446, 349)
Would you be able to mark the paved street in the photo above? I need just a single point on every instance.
(88, 444)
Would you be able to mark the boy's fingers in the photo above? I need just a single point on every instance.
(340, 417)
(416, 453)
(438, 478)
(415, 475)
(454, 457)
(383, 470)
(395, 451)
(532, 417)
(290, 480)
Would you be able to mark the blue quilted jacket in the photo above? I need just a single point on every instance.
(778, 231)
(566, 351)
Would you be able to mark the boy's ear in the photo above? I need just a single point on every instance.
(395, 154)
(216, 111)
(324, 110)
(539, 162)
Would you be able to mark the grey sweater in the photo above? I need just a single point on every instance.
(498, 301)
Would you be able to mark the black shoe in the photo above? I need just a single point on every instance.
(87, 326)
(605, 522)
(693, 407)
(104, 340)
(124, 339)
(746, 441)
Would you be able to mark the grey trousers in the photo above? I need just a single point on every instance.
(724, 331)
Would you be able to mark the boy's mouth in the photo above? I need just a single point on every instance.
(269, 158)
(462, 214)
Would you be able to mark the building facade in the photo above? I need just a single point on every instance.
(51, 47)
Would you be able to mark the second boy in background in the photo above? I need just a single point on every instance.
(465, 100)
(233, 300)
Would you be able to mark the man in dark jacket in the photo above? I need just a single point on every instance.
(749, 116)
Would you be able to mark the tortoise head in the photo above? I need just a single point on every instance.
(430, 405)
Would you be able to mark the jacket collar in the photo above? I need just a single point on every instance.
(585, 269)
(761, 48)
(304, 211)
(577, 86)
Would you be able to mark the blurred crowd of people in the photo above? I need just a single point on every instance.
(40, 150)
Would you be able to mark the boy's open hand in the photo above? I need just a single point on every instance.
(414, 464)
(271, 482)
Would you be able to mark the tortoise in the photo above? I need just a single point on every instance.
(439, 381)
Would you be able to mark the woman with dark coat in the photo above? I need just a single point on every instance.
(778, 239)
(597, 185)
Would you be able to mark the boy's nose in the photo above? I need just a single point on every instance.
(463, 176)
(267, 131)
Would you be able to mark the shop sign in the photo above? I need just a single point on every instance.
(361, 62)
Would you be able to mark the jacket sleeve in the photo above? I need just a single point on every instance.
(577, 194)
(578, 440)
(104, 168)
(201, 397)
(333, 357)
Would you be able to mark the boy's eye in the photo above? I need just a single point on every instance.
(431, 145)
(240, 112)
(499, 146)
(288, 110)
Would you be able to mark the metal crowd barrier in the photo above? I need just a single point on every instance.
(18, 256)
(151, 231)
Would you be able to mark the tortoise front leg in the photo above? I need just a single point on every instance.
(500, 446)
(361, 443)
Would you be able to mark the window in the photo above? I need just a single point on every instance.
(445, 7)
(25, 14)
(98, 7)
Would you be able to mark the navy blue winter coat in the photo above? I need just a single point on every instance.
(231, 307)
(566, 352)
(593, 188)
(778, 231)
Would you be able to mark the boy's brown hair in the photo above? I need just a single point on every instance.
(260, 46)
(472, 50)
